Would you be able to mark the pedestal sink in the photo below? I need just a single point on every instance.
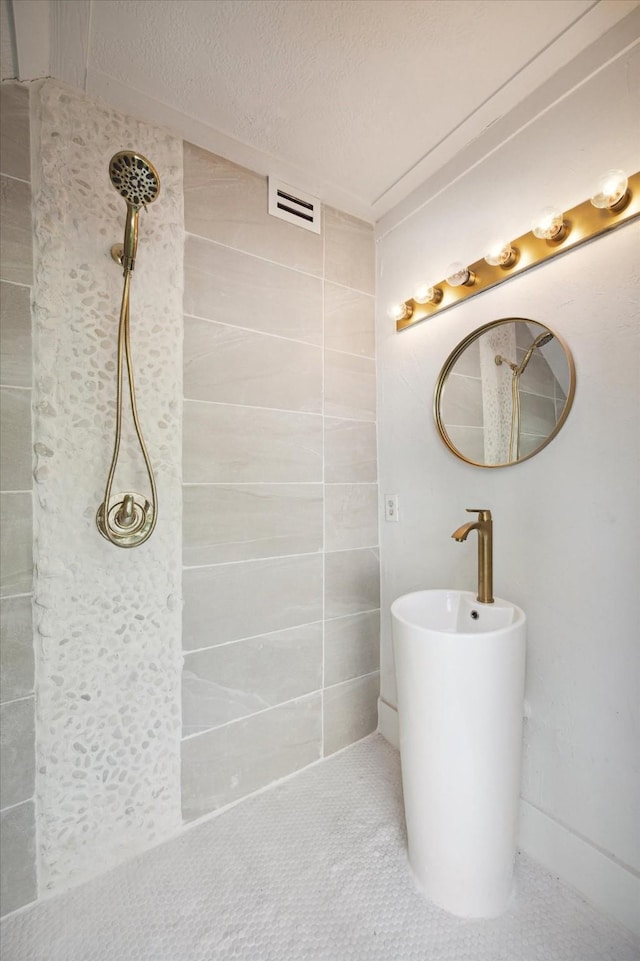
(460, 675)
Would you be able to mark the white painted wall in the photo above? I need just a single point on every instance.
(566, 537)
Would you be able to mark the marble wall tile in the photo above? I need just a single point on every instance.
(351, 516)
(15, 335)
(525, 335)
(17, 756)
(349, 251)
(232, 761)
(350, 451)
(235, 288)
(537, 377)
(16, 255)
(233, 601)
(228, 204)
(16, 648)
(351, 647)
(14, 131)
(222, 523)
(462, 401)
(349, 386)
(230, 365)
(234, 680)
(352, 582)
(225, 444)
(279, 329)
(349, 320)
(350, 712)
(469, 361)
(18, 881)
(16, 565)
(469, 441)
(530, 443)
(15, 439)
(537, 414)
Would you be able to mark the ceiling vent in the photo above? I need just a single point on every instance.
(294, 206)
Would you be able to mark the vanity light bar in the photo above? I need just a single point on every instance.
(580, 224)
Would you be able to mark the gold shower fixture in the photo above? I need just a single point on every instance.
(616, 201)
(129, 519)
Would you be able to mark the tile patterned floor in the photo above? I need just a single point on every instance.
(313, 870)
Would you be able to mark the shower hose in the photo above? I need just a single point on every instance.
(129, 522)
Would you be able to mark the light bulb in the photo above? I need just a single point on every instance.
(427, 295)
(399, 311)
(460, 276)
(501, 255)
(549, 224)
(611, 190)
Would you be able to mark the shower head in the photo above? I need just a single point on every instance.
(540, 341)
(134, 177)
(137, 180)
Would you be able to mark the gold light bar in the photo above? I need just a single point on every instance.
(582, 224)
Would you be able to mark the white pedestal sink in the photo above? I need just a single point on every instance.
(460, 674)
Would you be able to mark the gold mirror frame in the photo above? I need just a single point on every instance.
(457, 353)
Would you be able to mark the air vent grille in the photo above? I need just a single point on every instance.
(290, 204)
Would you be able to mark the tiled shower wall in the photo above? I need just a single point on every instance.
(107, 622)
(281, 620)
(16, 637)
(542, 398)
(281, 616)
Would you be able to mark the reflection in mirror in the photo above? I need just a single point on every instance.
(504, 392)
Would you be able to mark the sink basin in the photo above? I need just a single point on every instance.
(454, 612)
(460, 679)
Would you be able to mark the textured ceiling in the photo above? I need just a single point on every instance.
(359, 101)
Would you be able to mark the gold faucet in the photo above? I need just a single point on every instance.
(484, 527)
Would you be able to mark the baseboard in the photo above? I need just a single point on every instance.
(604, 882)
(388, 723)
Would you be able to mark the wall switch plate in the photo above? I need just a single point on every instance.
(391, 508)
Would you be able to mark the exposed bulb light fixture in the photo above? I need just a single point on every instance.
(549, 224)
(611, 191)
(553, 233)
(399, 312)
(460, 276)
(427, 295)
(501, 255)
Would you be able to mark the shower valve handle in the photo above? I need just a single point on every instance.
(126, 515)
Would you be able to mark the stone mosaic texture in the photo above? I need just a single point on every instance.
(316, 869)
(107, 620)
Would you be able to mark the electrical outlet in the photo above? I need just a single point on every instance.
(391, 508)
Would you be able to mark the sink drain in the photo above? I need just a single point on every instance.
(475, 615)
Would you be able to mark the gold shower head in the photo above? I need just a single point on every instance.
(136, 179)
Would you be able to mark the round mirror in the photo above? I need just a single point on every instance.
(504, 392)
